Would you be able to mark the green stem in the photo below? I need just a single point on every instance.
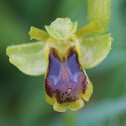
(69, 118)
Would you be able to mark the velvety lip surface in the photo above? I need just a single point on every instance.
(65, 79)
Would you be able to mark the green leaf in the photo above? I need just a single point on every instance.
(29, 58)
(99, 10)
(94, 50)
(38, 34)
(90, 28)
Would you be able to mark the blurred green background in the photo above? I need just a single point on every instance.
(22, 101)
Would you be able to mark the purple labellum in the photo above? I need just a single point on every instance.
(65, 79)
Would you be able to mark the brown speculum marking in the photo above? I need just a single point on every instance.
(65, 79)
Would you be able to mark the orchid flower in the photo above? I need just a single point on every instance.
(62, 53)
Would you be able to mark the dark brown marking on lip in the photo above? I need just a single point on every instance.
(48, 87)
(65, 80)
(54, 52)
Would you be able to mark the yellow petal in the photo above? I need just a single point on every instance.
(38, 34)
(60, 107)
(49, 99)
(68, 105)
(89, 92)
(76, 105)
(90, 28)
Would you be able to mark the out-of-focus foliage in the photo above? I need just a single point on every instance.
(22, 99)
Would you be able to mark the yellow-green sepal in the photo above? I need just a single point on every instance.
(94, 50)
(38, 34)
(92, 27)
(28, 58)
(99, 10)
